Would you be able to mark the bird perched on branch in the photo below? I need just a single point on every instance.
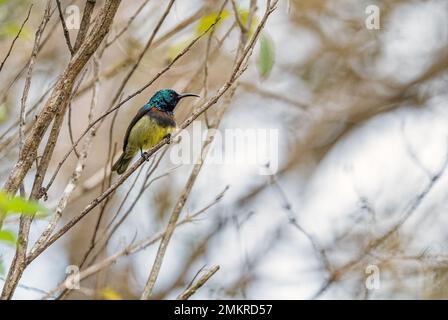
(153, 122)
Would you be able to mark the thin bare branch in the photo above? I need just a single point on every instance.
(85, 23)
(128, 24)
(64, 28)
(59, 95)
(133, 248)
(16, 37)
(198, 284)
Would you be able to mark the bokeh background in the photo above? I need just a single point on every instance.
(363, 149)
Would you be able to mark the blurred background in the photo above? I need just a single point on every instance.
(357, 208)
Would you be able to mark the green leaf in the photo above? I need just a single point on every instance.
(17, 204)
(266, 56)
(8, 236)
(206, 21)
(2, 269)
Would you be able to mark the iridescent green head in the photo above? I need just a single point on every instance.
(167, 99)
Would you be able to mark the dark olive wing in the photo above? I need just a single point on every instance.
(161, 118)
(141, 113)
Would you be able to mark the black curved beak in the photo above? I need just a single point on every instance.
(187, 95)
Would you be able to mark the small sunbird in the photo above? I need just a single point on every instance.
(153, 122)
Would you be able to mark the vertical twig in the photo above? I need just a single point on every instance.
(85, 23)
(64, 28)
(29, 72)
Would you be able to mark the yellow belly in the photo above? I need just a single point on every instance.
(146, 133)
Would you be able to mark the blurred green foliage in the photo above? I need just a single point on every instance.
(206, 21)
(266, 56)
(3, 112)
(12, 14)
(8, 236)
(11, 29)
(203, 24)
(244, 14)
(18, 205)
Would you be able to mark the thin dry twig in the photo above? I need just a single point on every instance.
(64, 28)
(133, 248)
(16, 37)
(191, 290)
(238, 17)
(29, 72)
(85, 23)
(414, 204)
(318, 249)
(128, 24)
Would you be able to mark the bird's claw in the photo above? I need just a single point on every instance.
(43, 193)
(145, 155)
(168, 136)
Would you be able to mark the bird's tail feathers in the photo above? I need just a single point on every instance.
(122, 163)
